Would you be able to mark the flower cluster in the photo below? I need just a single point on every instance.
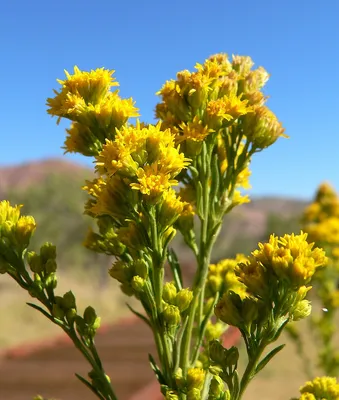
(319, 389)
(274, 281)
(95, 111)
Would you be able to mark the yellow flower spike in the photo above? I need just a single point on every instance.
(24, 230)
(253, 275)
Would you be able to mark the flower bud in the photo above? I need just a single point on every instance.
(171, 315)
(216, 387)
(68, 300)
(90, 315)
(217, 352)
(51, 281)
(71, 314)
(169, 293)
(194, 394)
(138, 283)
(47, 252)
(141, 268)
(51, 266)
(171, 395)
(25, 228)
(179, 380)
(302, 310)
(34, 262)
(183, 299)
(58, 312)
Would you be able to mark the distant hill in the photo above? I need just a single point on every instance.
(51, 191)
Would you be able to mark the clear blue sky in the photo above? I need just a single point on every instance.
(147, 42)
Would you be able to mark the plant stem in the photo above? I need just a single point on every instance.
(250, 369)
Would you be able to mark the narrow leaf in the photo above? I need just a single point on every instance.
(46, 314)
(268, 358)
(156, 370)
(175, 268)
(139, 315)
(90, 386)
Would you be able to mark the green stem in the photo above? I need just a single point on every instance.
(250, 369)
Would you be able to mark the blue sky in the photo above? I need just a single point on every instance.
(147, 42)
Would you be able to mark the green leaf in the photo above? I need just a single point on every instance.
(268, 358)
(90, 386)
(156, 370)
(46, 314)
(175, 268)
(200, 206)
(236, 385)
(139, 315)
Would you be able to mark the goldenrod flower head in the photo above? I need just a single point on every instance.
(81, 140)
(169, 292)
(193, 131)
(242, 65)
(291, 258)
(322, 388)
(90, 86)
(262, 127)
(171, 315)
(195, 378)
(237, 308)
(214, 331)
(8, 212)
(153, 182)
(112, 197)
(302, 310)
(171, 208)
(255, 80)
(183, 299)
(253, 275)
(15, 228)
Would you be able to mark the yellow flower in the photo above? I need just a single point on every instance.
(91, 87)
(171, 208)
(322, 388)
(291, 258)
(152, 182)
(81, 140)
(242, 64)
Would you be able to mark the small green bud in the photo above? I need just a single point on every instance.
(47, 252)
(171, 395)
(169, 292)
(216, 387)
(71, 314)
(68, 300)
(51, 281)
(179, 379)
(34, 262)
(138, 284)
(183, 299)
(58, 312)
(51, 266)
(217, 352)
(171, 315)
(195, 378)
(232, 356)
(141, 268)
(90, 315)
(302, 310)
(194, 394)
